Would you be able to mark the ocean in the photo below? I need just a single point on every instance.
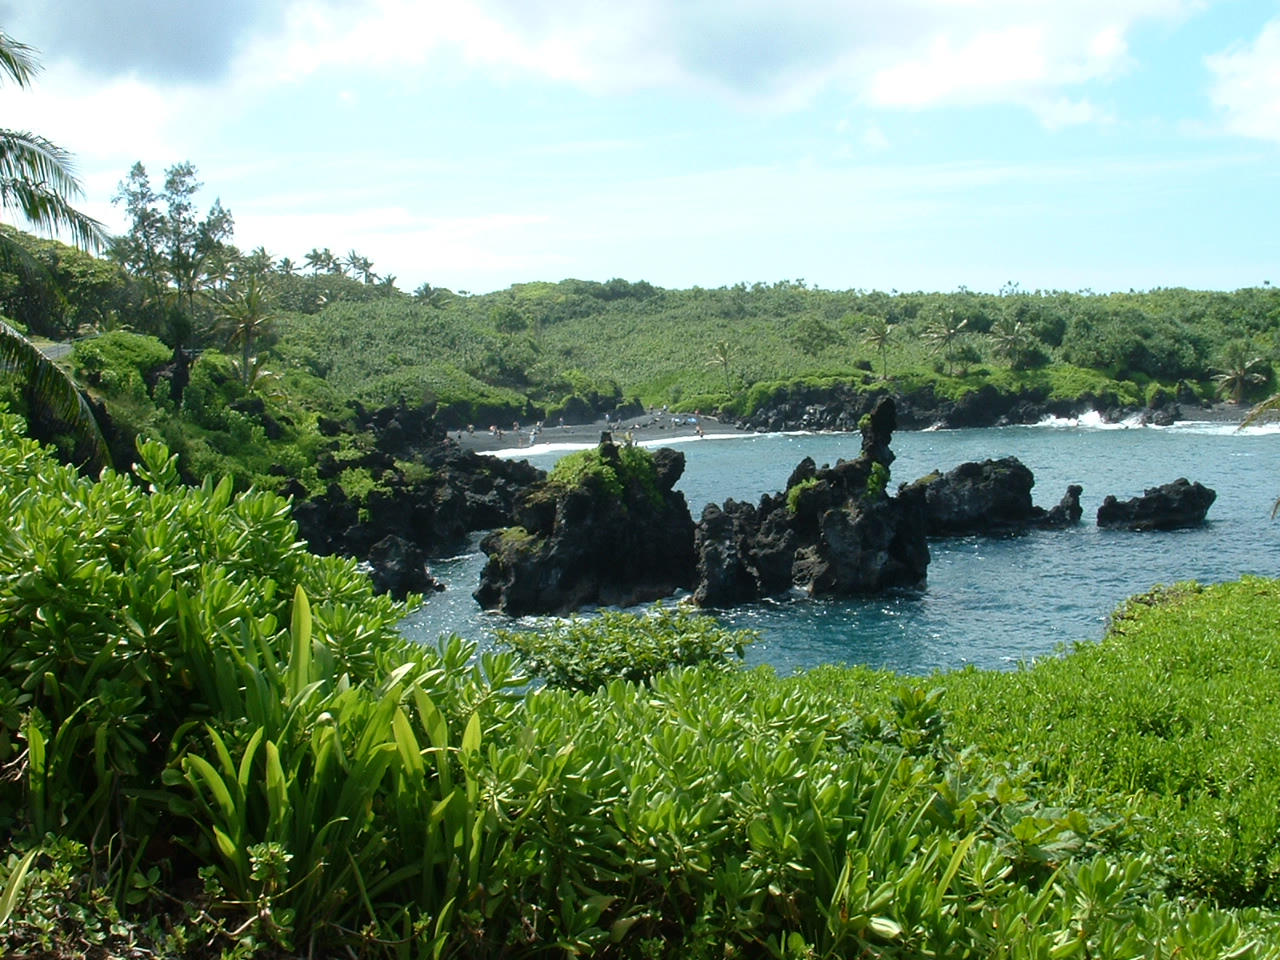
(990, 602)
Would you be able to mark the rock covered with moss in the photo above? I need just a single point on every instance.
(834, 531)
(425, 496)
(606, 528)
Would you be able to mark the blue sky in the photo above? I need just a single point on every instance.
(908, 144)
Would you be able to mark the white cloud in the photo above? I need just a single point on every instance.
(1247, 85)
(909, 53)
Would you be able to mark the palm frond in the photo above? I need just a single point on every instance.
(55, 394)
(36, 178)
(1266, 406)
(17, 60)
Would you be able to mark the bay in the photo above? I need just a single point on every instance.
(989, 602)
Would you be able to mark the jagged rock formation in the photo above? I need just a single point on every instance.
(990, 498)
(397, 567)
(453, 494)
(614, 533)
(833, 532)
(1066, 514)
(1169, 507)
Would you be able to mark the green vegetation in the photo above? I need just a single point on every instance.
(613, 469)
(877, 481)
(796, 492)
(581, 654)
(217, 744)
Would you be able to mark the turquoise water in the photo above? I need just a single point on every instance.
(989, 602)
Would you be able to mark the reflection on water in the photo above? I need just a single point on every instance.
(989, 602)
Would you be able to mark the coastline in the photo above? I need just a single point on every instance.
(646, 429)
(659, 428)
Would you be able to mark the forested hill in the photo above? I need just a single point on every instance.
(270, 347)
(708, 347)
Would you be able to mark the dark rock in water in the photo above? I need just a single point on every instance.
(873, 548)
(1169, 507)
(433, 506)
(988, 498)
(1066, 514)
(591, 544)
(833, 532)
(722, 544)
(399, 568)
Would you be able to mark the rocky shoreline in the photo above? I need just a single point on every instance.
(407, 522)
(823, 418)
(622, 535)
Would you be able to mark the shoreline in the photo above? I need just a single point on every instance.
(657, 428)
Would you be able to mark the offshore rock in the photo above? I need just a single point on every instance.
(988, 498)
(591, 544)
(1169, 507)
(833, 532)
(1066, 514)
(399, 568)
(430, 494)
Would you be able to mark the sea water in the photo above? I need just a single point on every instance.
(991, 602)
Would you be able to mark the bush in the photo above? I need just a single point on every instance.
(588, 653)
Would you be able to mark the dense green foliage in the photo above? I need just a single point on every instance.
(334, 332)
(715, 348)
(587, 654)
(195, 706)
(612, 469)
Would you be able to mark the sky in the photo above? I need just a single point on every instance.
(872, 144)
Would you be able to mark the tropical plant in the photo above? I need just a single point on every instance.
(945, 336)
(36, 176)
(243, 319)
(1240, 368)
(1013, 341)
(877, 335)
(178, 257)
(722, 357)
(51, 393)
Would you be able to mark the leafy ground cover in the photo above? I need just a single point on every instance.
(215, 744)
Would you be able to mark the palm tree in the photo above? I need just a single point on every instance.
(1012, 340)
(37, 176)
(244, 319)
(54, 395)
(360, 266)
(722, 356)
(877, 335)
(319, 260)
(36, 179)
(945, 336)
(1241, 368)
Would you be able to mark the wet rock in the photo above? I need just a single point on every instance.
(399, 568)
(1168, 507)
(1067, 513)
(832, 532)
(592, 544)
(992, 497)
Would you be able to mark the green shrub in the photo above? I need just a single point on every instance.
(633, 469)
(795, 493)
(588, 653)
(877, 480)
